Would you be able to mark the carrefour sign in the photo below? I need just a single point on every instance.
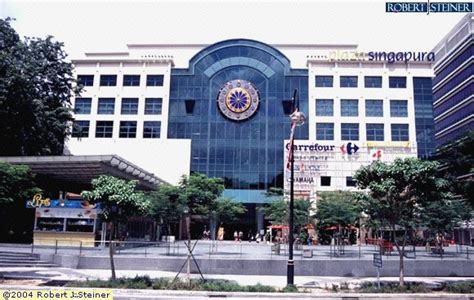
(345, 148)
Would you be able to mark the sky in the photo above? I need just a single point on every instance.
(95, 26)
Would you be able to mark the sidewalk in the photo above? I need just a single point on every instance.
(65, 274)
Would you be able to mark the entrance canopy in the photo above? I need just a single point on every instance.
(81, 169)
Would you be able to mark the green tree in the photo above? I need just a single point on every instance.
(225, 210)
(36, 85)
(397, 195)
(167, 205)
(456, 163)
(277, 211)
(17, 184)
(118, 199)
(337, 209)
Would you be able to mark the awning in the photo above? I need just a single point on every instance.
(82, 169)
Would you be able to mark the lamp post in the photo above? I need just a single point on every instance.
(297, 119)
(188, 221)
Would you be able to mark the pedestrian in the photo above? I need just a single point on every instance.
(241, 235)
(236, 236)
(250, 236)
(257, 238)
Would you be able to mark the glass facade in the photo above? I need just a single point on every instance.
(324, 81)
(423, 96)
(325, 107)
(374, 108)
(349, 107)
(451, 92)
(247, 154)
(350, 131)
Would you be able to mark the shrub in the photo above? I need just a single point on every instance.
(393, 287)
(464, 287)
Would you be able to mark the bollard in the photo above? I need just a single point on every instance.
(145, 250)
(33, 247)
(56, 248)
(80, 248)
(467, 251)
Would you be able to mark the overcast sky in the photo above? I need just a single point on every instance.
(86, 26)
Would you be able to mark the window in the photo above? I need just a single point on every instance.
(82, 106)
(108, 80)
(131, 80)
(399, 132)
(398, 108)
(325, 180)
(128, 129)
(350, 131)
(85, 80)
(129, 106)
(373, 108)
(104, 129)
(106, 106)
(80, 129)
(349, 108)
(397, 82)
(324, 107)
(325, 131)
(151, 130)
(350, 181)
(154, 80)
(348, 81)
(324, 81)
(373, 81)
(375, 132)
(153, 106)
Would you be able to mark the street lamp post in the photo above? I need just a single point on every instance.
(188, 221)
(297, 119)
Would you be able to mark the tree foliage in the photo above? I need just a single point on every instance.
(226, 209)
(337, 209)
(16, 183)
(457, 159)
(167, 205)
(400, 196)
(36, 85)
(199, 192)
(277, 211)
(118, 199)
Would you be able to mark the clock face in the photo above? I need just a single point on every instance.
(238, 100)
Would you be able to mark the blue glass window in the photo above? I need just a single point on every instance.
(374, 132)
(324, 81)
(348, 81)
(85, 80)
(350, 131)
(154, 80)
(325, 131)
(108, 80)
(349, 107)
(400, 132)
(128, 129)
(397, 82)
(106, 106)
(398, 108)
(104, 129)
(350, 181)
(82, 106)
(129, 106)
(324, 107)
(80, 129)
(373, 81)
(325, 180)
(153, 106)
(374, 108)
(151, 129)
(131, 80)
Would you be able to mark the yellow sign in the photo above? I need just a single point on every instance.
(86, 294)
(38, 201)
(389, 144)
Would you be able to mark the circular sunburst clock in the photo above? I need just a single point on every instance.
(238, 100)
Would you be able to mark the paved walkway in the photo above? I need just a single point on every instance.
(243, 250)
(67, 274)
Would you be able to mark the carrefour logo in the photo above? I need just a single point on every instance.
(349, 148)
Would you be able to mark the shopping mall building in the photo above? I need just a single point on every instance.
(219, 109)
